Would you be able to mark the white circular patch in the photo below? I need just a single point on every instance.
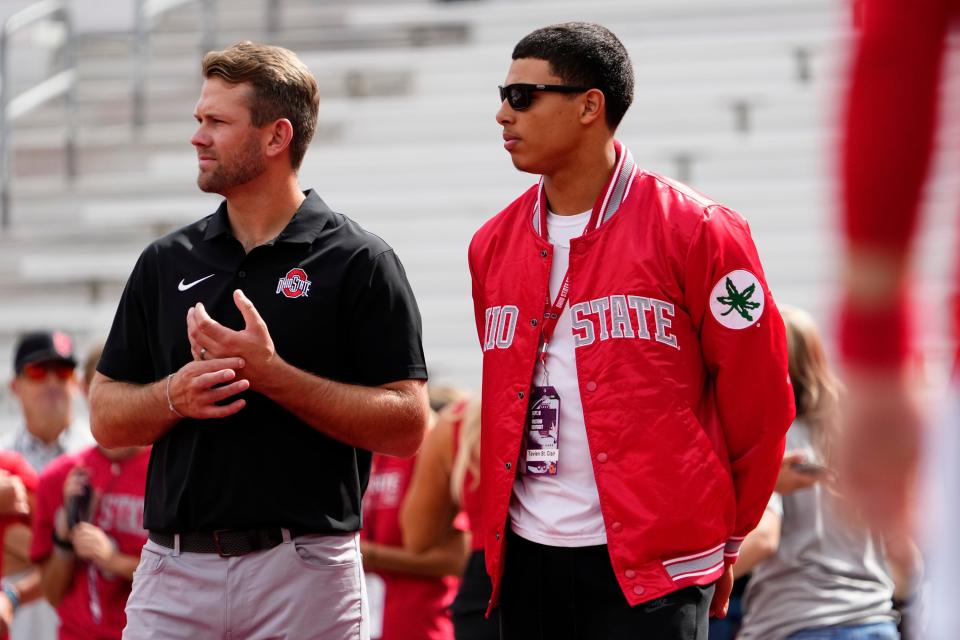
(737, 300)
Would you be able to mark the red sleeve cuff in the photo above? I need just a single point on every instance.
(877, 337)
(731, 550)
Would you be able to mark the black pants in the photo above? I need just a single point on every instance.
(470, 605)
(557, 593)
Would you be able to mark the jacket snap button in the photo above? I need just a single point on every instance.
(509, 466)
(520, 394)
(591, 386)
(601, 457)
(639, 590)
(543, 253)
(497, 535)
(630, 573)
(616, 526)
(533, 322)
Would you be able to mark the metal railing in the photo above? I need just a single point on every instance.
(145, 12)
(61, 83)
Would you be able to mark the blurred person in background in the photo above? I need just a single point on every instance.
(417, 587)
(619, 491)
(46, 385)
(444, 498)
(88, 532)
(815, 575)
(891, 110)
(18, 484)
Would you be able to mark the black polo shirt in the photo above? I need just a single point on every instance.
(337, 303)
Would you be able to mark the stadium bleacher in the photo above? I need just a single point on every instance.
(738, 97)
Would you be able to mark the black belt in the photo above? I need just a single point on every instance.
(224, 542)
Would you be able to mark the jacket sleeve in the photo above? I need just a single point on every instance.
(479, 307)
(744, 348)
(890, 118)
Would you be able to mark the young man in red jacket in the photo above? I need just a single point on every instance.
(635, 391)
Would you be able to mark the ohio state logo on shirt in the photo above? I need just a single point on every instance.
(294, 284)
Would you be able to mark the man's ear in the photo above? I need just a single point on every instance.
(280, 136)
(594, 106)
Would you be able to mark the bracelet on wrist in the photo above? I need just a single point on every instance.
(170, 406)
(61, 543)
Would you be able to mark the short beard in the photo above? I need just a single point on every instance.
(247, 165)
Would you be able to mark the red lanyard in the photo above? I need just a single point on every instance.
(551, 313)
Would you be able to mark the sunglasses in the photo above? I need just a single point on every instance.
(38, 371)
(520, 95)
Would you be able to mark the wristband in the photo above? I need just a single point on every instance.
(13, 594)
(60, 543)
(170, 406)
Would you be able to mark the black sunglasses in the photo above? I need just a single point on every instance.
(520, 95)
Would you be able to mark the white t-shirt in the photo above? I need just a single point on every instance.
(561, 510)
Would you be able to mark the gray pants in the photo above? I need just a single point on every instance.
(307, 587)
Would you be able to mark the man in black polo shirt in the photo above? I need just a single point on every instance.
(264, 351)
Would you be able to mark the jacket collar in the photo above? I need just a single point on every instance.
(611, 197)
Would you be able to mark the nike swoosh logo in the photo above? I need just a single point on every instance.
(184, 287)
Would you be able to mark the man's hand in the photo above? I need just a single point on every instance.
(209, 338)
(879, 450)
(92, 544)
(789, 479)
(721, 593)
(194, 389)
(13, 495)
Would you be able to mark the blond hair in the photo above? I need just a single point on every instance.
(816, 390)
(467, 459)
(282, 86)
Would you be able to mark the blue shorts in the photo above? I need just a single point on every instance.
(876, 631)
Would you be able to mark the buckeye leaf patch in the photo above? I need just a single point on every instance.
(737, 300)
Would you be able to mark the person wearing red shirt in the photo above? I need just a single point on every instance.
(890, 125)
(418, 586)
(87, 536)
(444, 496)
(18, 483)
(88, 533)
